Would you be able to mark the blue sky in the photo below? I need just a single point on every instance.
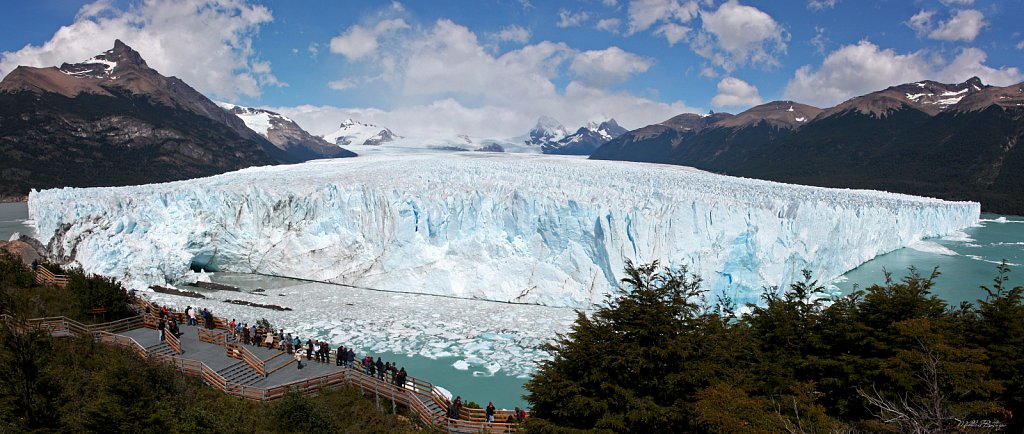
(490, 68)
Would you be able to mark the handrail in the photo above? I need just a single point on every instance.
(236, 351)
(172, 341)
(212, 337)
(46, 276)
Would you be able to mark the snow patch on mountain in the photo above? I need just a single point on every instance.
(518, 228)
(357, 133)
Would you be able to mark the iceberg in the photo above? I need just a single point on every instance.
(515, 228)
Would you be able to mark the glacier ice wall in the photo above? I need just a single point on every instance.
(521, 228)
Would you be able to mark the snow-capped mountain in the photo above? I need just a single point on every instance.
(286, 134)
(357, 133)
(953, 141)
(547, 130)
(585, 140)
(113, 120)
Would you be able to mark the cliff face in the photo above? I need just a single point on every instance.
(112, 120)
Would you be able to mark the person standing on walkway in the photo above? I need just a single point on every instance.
(298, 359)
(339, 357)
(380, 369)
(351, 359)
(161, 327)
(490, 412)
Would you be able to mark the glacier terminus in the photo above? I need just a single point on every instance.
(533, 229)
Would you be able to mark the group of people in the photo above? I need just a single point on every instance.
(192, 312)
(384, 371)
(166, 324)
(455, 408)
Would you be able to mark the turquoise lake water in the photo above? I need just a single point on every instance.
(966, 260)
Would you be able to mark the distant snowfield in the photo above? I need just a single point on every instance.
(520, 228)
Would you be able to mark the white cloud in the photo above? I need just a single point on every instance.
(441, 80)
(818, 5)
(819, 41)
(957, 2)
(608, 25)
(610, 2)
(1020, 45)
(608, 66)
(921, 22)
(733, 92)
(206, 43)
(571, 19)
(970, 62)
(359, 41)
(862, 68)
(343, 84)
(645, 13)
(672, 32)
(964, 25)
(708, 72)
(736, 34)
(513, 33)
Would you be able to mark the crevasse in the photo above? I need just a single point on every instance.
(522, 228)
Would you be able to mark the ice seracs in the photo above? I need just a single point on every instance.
(518, 228)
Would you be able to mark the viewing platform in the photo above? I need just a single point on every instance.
(262, 374)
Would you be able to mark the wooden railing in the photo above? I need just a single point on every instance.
(46, 276)
(172, 341)
(218, 337)
(242, 353)
(414, 395)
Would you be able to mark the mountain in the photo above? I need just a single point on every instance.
(953, 141)
(585, 140)
(547, 130)
(356, 133)
(285, 134)
(113, 120)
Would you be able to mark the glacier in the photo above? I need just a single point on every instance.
(517, 228)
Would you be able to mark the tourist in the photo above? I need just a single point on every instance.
(400, 378)
(237, 332)
(232, 325)
(351, 358)
(368, 365)
(339, 357)
(191, 312)
(161, 327)
(490, 412)
(456, 407)
(245, 334)
(380, 369)
(298, 359)
(309, 349)
(174, 328)
(520, 415)
(255, 342)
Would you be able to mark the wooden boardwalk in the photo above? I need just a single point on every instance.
(262, 374)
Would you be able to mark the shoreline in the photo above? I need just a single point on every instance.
(14, 199)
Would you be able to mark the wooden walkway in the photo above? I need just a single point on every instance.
(262, 374)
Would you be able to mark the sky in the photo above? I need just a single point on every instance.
(490, 68)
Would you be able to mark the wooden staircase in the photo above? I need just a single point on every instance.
(240, 373)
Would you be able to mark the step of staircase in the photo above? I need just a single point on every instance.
(161, 349)
(240, 373)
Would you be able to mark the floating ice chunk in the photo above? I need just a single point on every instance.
(461, 365)
(15, 236)
(958, 236)
(932, 247)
